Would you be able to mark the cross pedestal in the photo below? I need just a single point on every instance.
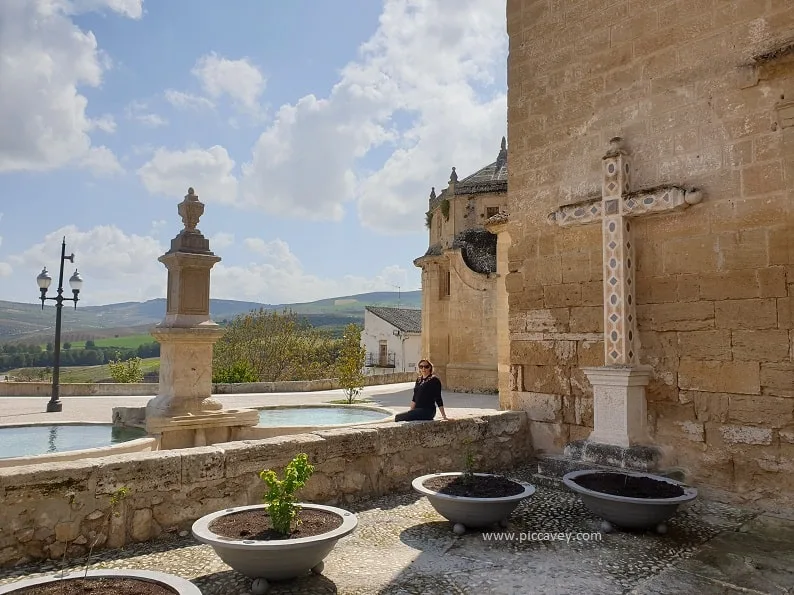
(183, 413)
(619, 386)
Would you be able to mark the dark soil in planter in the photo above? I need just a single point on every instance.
(630, 486)
(476, 486)
(99, 586)
(255, 524)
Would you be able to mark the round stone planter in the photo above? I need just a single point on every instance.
(629, 512)
(175, 583)
(465, 511)
(276, 559)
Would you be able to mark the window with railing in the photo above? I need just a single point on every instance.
(380, 359)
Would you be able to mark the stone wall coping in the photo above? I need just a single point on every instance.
(146, 389)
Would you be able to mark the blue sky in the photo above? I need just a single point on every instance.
(311, 130)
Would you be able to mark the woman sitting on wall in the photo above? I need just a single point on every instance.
(427, 394)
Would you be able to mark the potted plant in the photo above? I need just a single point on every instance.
(470, 499)
(629, 500)
(279, 539)
(103, 582)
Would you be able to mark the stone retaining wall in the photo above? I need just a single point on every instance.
(143, 389)
(47, 505)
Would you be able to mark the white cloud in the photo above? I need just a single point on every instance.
(106, 123)
(430, 63)
(126, 269)
(210, 172)
(239, 79)
(139, 111)
(129, 8)
(182, 100)
(5, 268)
(280, 278)
(101, 161)
(116, 266)
(46, 58)
(276, 252)
(221, 240)
(157, 226)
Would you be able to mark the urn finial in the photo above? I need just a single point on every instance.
(191, 209)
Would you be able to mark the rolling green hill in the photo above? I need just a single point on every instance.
(27, 322)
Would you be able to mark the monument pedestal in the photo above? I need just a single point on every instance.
(620, 438)
(619, 407)
(184, 414)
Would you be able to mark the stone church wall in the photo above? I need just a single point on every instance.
(702, 92)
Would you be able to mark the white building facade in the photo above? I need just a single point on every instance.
(392, 338)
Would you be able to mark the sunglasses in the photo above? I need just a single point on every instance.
(422, 366)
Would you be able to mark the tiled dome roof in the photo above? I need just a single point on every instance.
(491, 178)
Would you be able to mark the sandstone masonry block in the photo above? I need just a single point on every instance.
(676, 317)
(587, 320)
(746, 435)
(717, 376)
(778, 379)
(547, 379)
(544, 353)
(746, 314)
(708, 345)
(764, 346)
(772, 412)
(540, 407)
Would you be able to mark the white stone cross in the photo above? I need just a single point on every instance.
(619, 405)
(616, 209)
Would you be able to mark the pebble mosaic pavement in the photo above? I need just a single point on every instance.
(402, 546)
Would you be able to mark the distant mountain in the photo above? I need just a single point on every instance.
(26, 322)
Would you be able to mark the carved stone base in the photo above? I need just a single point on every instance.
(200, 429)
(584, 454)
(619, 407)
(185, 371)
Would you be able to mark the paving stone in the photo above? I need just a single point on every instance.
(402, 546)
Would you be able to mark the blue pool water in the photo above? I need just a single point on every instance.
(25, 441)
(317, 416)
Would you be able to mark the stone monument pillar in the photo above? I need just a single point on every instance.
(183, 414)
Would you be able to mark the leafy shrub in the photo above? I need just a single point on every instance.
(280, 496)
(125, 372)
(240, 371)
(350, 363)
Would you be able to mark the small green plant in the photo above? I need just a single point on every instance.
(468, 465)
(125, 372)
(116, 498)
(239, 371)
(350, 363)
(445, 208)
(280, 495)
(428, 219)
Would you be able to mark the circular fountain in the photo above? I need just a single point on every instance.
(282, 420)
(31, 444)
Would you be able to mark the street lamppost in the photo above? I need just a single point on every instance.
(76, 283)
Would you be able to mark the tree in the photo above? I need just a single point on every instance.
(67, 345)
(90, 344)
(350, 362)
(127, 371)
(276, 346)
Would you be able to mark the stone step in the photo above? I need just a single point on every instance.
(552, 467)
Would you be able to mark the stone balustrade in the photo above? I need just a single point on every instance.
(48, 505)
(144, 389)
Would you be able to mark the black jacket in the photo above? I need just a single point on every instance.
(427, 393)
